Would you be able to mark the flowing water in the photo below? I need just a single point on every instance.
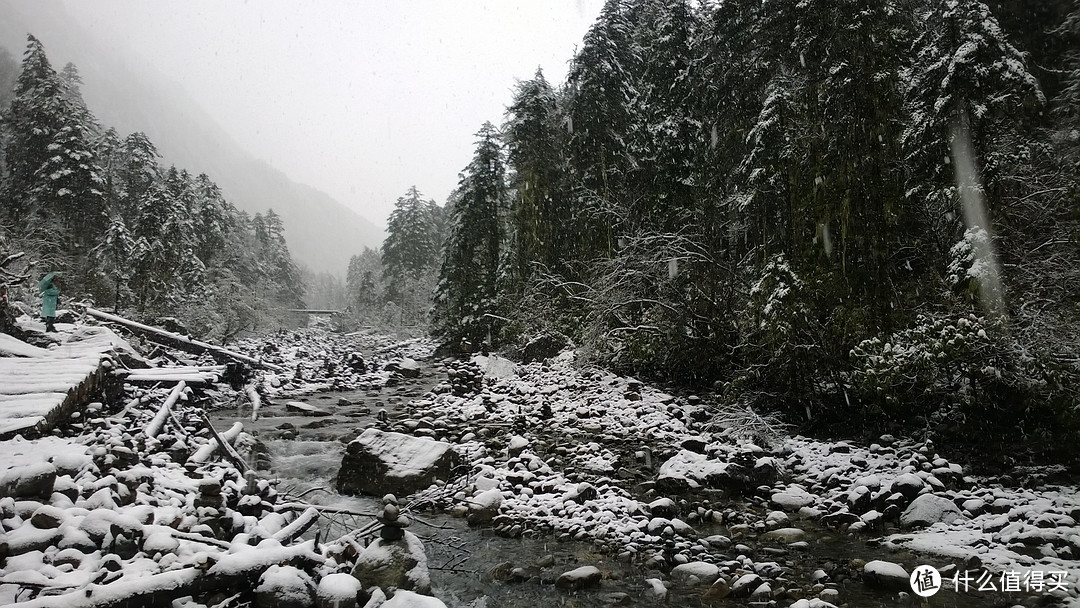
(469, 566)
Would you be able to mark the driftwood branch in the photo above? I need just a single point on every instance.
(155, 425)
(225, 443)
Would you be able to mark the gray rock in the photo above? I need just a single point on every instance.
(484, 506)
(543, 346)
(580, 578)
(908, 484)
(380, 462)
(929, 509)
(745, 585)
(397, 564)
(792, 499)
(886, 575)
(304, 409)
(703, 571)
(784, 535)
(405, 366)
(28, 481)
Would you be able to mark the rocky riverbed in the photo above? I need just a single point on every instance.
(571, 486)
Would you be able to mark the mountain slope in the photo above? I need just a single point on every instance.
(321, 232)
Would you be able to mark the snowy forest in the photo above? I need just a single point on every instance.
(769, 302)
(821, 209)
(839, 211)
(124, 231)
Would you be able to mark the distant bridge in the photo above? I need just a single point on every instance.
(311, 311)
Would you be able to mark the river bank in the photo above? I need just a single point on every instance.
(638, 496)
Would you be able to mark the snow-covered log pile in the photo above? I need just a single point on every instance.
(39, 386)
(130, 509)
(142, 502)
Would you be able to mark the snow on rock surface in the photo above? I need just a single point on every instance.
(929, 509)
(495, 366)
(705, 572)
(283, 587)
(380, 462)
(579, 578)
(398, 564)
(338, 589)
(408, 599)
(885, 574)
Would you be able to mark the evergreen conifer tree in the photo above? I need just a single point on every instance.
(465, 297)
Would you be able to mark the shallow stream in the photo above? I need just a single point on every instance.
(469, 565)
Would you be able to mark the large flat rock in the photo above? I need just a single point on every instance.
(380, 462)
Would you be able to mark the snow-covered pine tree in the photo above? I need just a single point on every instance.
(53, 178)
(599, 91)
(410, 254)
(964, 73)
(465, 308)
(539, 213)
(363, 286)
(665, 131)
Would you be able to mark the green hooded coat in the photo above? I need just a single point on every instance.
(49, 295)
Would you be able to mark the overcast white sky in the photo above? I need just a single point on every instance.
(361, 99)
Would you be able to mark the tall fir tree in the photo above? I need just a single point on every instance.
(410, 254)
(465, 307)
(539, 229)
(53, 177)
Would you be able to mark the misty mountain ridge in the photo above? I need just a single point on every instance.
(321, 232)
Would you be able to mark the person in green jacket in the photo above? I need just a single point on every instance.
(49, 296)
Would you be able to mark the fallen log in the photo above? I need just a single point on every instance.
(154, 426)
(220, 441)
(298, 526)
(226, 446)
(183, 342)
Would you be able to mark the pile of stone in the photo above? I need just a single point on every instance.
(465, 378)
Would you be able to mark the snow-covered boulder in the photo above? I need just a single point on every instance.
(379, 462)
(887, 575)
(700, 572)
(337, 590)
(283, 587)
(908, 484)
(543, 346)
(929, 509)
(745, 585)
(399, 564)
(579, 578)
(688, 470)
(484, 506)
(792, 498)
(405, 366)
(408, 599)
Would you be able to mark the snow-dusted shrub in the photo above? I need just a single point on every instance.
(972, 270)
(660, 307)
(933, 363)
(952, 369)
